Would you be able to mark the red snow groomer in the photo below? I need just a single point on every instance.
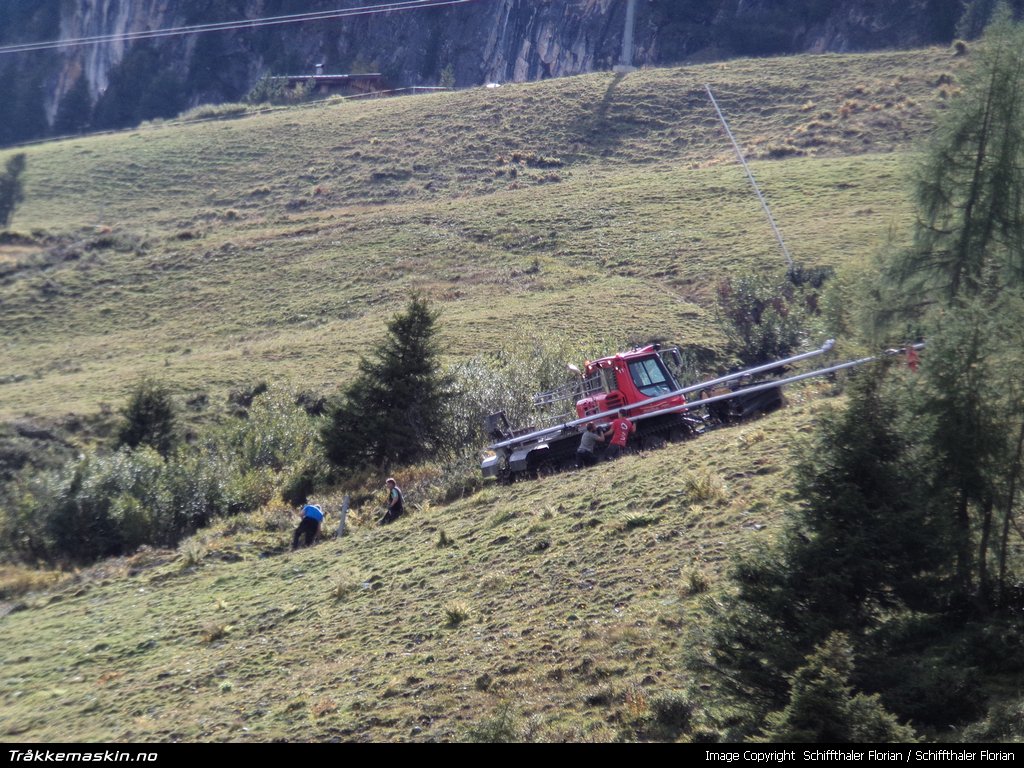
(641, 383)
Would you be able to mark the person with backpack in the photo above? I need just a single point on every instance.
(312, 517)
(395, 502)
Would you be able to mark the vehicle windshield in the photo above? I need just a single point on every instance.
(651, 376)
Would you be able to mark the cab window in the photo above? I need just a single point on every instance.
(651, 377)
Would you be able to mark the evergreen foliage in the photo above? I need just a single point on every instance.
(12, 191)
(824, 708)
(961, 284)
(969, 234)
(974, 19)
(907, 500)
(393, 410)
(149, 418)
(857, 545)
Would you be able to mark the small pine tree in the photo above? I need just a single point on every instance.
(393, 411)
(856, 546)
(149, 418)
(11, 187)
(823, 707)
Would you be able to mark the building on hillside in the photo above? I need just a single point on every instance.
(344, 85)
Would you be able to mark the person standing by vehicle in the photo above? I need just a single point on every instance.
(395, 502)
(621, 429)
(312, 517)
(586, 454)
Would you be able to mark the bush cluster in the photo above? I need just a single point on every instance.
(767, 318)
(105, 503)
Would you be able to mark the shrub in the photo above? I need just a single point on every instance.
(672, 711)
(214, 111)
(93, 506)
(1003, 723)
(345, 583)
(213, 630)
(192, 552)
(632, 520)
(302, 480)
(765, 318)
(98, 505)
(507, 381)
(703, 487)
(275, 90)
(276, 433)
(249, 489)
(501, 728)
(443, 540)
(697, 582)
(455, 613)
(18, 580)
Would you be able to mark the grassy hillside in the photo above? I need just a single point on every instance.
(273, 247)
(218, 254)
(580, 594)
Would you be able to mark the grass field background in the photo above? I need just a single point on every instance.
(274, 247)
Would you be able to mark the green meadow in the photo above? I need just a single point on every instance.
(274, 247)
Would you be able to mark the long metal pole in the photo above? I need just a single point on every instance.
(627, 35)
(753, 183)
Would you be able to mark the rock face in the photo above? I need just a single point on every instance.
(469, 43)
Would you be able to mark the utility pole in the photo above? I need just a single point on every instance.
(626, 60)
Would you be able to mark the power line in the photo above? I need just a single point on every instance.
(340, 13)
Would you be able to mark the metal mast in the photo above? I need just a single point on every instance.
(753, 183)
(626, 60)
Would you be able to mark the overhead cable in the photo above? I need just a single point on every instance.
(296, 18)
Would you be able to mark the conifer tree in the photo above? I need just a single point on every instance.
(969, 233)
(962, 283)
(857, 545)
(824, 708)
(906, 500)
(11, 187)
(392, 412)
(149, 418)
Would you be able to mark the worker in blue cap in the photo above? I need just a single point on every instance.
(312, 517)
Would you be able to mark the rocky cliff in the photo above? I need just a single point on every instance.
(118, 83)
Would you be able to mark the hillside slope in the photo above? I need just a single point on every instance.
(580, 593)
(222, 253)
(470, 42)
(273, 247)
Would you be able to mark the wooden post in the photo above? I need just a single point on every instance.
(344, 513)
